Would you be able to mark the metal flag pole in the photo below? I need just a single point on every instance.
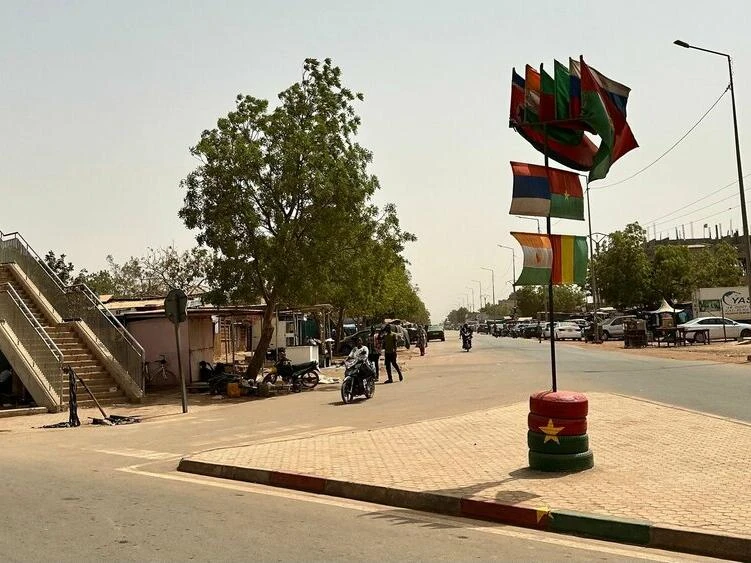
(550, 284)
(595, 296)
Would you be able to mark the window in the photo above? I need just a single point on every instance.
(708, 321)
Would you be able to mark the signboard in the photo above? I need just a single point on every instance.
(732, 302)
(176, 306)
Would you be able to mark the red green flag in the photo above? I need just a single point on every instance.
(562, 83)
(603, 108)
(569, 260)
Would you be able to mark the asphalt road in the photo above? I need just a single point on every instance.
(96, 493)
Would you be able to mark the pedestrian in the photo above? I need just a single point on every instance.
(374, 342)
(390, 343)
(422, 339)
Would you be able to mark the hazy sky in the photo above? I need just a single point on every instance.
(100, 102)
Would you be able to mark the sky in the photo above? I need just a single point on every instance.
(101, 101)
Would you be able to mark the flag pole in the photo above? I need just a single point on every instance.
(550, 284)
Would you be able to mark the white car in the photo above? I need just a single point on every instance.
(719, 328)
(563, 330)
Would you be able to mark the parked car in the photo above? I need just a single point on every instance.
(347, 343)
(719, 328)
(435, 332)
(613, 328)
(531, 330)
(564, 330)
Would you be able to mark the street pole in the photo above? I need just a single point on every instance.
(480, 284)
(744, 215)
(531, 219)
(595, 296)
(472, 289)
(492, 280)
(513, 266)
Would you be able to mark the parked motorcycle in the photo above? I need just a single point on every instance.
(219, 378)
(359, 380)
(299, 376)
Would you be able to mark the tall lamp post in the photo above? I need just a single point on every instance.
(513, 265)
(480, 284)
(744, 217)
(531, 219)
(472, 289)
(492, 280)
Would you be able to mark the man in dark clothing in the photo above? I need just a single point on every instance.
(389, 349)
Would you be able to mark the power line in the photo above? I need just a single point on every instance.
(686, 134)
(726, 186)
(731, 196)
(707, 216)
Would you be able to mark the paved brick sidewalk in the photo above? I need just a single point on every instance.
(654, 462)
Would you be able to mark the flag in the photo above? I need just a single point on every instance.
(562, 83)
(566, 146)
(531, 94)
(607, 117)
(547, 96)
(569, 260)
(575, 102)
(538, 259)
(542, 192)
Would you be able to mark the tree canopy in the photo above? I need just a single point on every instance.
(280, 193)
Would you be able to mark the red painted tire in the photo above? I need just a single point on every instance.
(568, 426)
(559, 404)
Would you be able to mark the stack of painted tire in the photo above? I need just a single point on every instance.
(557, 436)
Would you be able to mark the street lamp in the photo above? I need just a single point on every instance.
(531, 219)
(472, 289)
(492, 280)
(744, 217)
(513, 265)
(480, 283)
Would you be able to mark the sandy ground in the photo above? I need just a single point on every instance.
(731, 352)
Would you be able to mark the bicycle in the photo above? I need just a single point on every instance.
(162, 372)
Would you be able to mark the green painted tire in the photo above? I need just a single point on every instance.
(565, 445)
(561, 463)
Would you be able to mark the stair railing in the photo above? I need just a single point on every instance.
(76, 302)
(31, 335)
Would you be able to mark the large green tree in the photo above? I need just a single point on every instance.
(533, 299)
(623, 268)
(277, 189)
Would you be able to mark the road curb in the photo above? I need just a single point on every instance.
(610, 528)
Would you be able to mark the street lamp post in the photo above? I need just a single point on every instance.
(492, 280)
(744, 216)
(531, 219)
(472, 289)
(513, 265)
(480, 284)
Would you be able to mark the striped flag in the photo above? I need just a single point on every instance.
(542, 192)
(556, 259)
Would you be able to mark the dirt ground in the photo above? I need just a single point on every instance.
(731, 352)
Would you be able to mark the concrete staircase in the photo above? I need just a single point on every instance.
(75, 353)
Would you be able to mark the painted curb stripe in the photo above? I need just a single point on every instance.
(639, 532)
(602, 527)
(505, 513)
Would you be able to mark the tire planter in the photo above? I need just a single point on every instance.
(561, 462)
(569, 426)
(560, 445)
(559, 404)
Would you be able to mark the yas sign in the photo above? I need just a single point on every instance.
(734, 302)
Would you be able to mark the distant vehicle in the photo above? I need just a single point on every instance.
(346, 344)
(719, 328)
(564, 330)
(613, 328)
(435, 332)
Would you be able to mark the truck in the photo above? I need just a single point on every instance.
(729, 302)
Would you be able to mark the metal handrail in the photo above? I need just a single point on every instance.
(111, 333)
(38, 328)
(53, 364)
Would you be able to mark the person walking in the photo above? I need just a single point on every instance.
(374, 342)
(422, 339)
(389, 348)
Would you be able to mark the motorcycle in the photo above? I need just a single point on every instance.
(359, 380)
(218, 379)
(299, 376)
(467, 341)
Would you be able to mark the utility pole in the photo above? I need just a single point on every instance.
(492, 278)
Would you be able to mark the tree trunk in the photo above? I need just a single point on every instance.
(267, 331)
(339, 328)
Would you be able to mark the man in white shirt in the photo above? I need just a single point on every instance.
(360, 351)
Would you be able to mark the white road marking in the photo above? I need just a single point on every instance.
(141, 454)
(500, 529)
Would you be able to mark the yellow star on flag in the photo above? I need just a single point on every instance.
(551, 432)
(542, 512)
(565, 194)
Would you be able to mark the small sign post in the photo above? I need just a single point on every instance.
(176, 309)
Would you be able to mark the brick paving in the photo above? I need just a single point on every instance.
(654, 462)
